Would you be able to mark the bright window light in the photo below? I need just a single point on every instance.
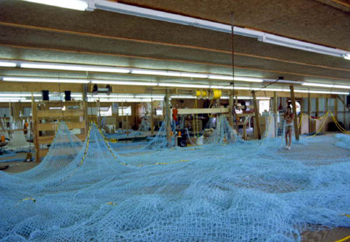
(124, 111)
(264, 105)
(159, 112)
(51, 80)
(105, 111)
(70, 4)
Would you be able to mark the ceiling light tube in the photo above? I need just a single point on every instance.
(283, 81)
(70, 4)
(220, 77)
(18, 94)
(69, 67)
(128, 83)
(183, 97)
(49, 80)
(183, 85)
(149, 72)
(12, 98)
(193, 75)
(7, 64)
(325, 85)
(247, 79)
(346, 56)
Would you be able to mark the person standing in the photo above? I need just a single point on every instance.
(288, 117)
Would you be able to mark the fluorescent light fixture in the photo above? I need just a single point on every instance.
(49, 80)
(322, 92)
(193, 75)
(149, 72)
(69, 67)
(247, 79)
(216, 87)
(183, 85)
(283, 81)
(220, 77)
(149, 96)
(325, 85)
(128, 83)
(112, 96)
(183, 97)
(155, 72)
(126, 100)
(12, 98)
(347, 56)
(7, 64)
(205, 24)
(18, 94)
(301, 45)
(70, 4)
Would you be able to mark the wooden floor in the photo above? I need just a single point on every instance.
(15, 167)
(326, 235)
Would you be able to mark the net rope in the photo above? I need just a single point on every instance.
(228, 190)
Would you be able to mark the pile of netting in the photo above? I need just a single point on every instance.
(18, 141)
(224, 191)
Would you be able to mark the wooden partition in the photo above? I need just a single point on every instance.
(47, 116)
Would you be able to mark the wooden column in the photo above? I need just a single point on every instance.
(230, 110)
(275, 110)
(309, 111)
(336, 108)
(86, 116)
(344, 111)
(317, 107)
(256, 109)
(35, 130)
(152, 118)
(168, 116)
(296, 129)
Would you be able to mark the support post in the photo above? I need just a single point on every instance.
(309, 111)
(152, 118)
(230, 110)
(275, 110)
(256, 110)
(317, 107)
(296, 129)
(168, 116)
(326, 105)
(86, 116)
(344, 111)
(35, 130)
(336, 108)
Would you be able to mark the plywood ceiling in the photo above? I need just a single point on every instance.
(43, 33)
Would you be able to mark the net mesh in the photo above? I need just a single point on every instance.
(223, 191)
